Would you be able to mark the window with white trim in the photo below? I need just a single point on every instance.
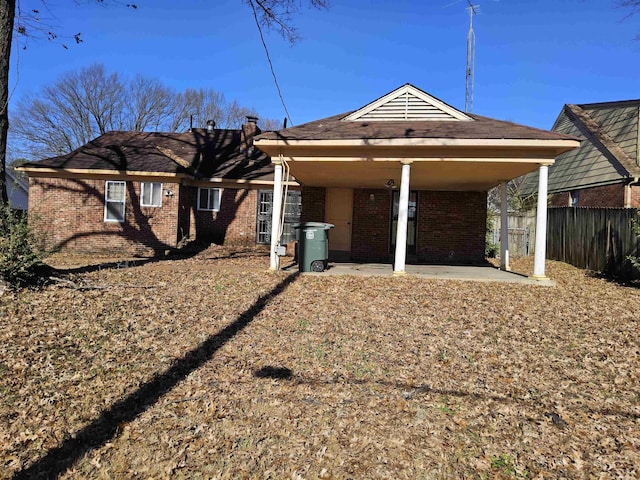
(209, 199)
(115, 194)
(151, 194)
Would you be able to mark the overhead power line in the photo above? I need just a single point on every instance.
(266, 50)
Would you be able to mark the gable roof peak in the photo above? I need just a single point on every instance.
(596, 134)
(407, 103)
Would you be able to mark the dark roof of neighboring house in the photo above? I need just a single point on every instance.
(335, 128)
(609, 151)
(199, 154)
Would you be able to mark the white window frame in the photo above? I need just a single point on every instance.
(153, 186)
(213, 201)
(122, 201)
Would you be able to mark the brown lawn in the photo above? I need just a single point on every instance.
(213, 367)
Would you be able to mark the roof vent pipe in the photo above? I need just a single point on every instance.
(210, 125)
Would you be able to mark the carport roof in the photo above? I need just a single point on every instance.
(448, 149)
(478, 128)
(409, 113)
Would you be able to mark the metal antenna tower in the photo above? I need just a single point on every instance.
(471, 57)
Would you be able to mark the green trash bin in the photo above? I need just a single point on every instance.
(313, 245)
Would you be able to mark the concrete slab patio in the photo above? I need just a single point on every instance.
(480, 273)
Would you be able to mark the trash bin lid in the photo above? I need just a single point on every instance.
(323, 225)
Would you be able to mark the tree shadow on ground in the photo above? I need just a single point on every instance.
(410, 391)
(620, 281)
(195, 250)
(107, 425)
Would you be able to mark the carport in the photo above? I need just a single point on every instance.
(411, 140)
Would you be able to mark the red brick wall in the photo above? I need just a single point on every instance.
(451, 227)
(370, 225)
(559, 199)
(186, 216)
(69, 214)
(605, 196)
(313, 200)
(234, 224)
(635, 196)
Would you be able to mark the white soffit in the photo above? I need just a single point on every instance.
(407, 103)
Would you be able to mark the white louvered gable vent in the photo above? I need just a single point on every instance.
(407, 103)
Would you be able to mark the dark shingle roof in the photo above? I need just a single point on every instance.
(597, 134)
(608, 152)
(334, 128)
(198, 153)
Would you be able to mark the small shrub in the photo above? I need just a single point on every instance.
(20, 258)
(634, 259)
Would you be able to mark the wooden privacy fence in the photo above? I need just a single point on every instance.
(597, 239)
(522, 232)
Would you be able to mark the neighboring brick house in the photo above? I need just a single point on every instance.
(146, 193)
(605, 170)
(407, 165)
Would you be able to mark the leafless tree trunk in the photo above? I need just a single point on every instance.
(7, 16)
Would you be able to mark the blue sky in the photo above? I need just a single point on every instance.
(531, 56)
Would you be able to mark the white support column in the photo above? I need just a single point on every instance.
(541, 225)
(504, 228)
(274, 259)
(403, 217)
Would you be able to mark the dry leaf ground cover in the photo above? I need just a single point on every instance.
(212, 367)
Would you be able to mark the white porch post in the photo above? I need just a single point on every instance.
(274, 263)
(403, 216)
(541, 225)
(504, 228)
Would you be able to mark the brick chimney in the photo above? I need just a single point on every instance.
(249, 130)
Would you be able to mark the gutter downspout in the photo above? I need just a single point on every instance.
(627, 193)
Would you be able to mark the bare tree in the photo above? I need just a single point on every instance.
(633, 5)
(149, 105)
(71, 112)
(271, 124)
(197, 107)
(7, 17)
(84, 104)
(274, 14)
(278, 15)
(516, 201)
